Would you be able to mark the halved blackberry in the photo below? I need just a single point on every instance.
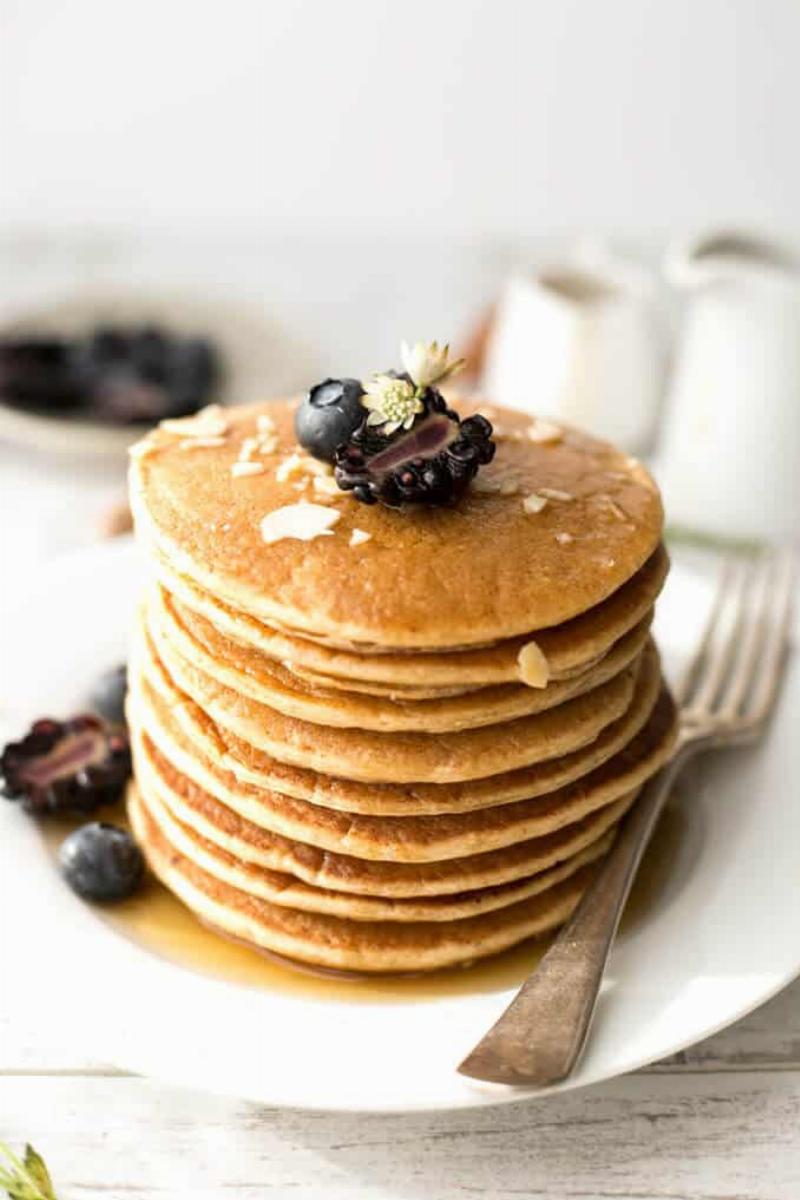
(66, 766)
(431, 463)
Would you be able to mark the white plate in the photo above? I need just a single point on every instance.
(259, 357)
(723, 938)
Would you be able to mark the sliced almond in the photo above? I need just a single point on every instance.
(326, 485)
(491, 485)
(302, 522)
(545, 432)
(198, 443)
(555, 494)
(533, 667)
(290, 468)
(564, 538)
(240, 469)
(359, 536)
(534, 503)
(208, 422)
(141, 448)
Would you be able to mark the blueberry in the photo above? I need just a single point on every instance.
(107, 697)
(101, 862)
(329, 415)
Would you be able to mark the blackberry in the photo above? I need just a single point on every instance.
(329, 415)
(432, 463)
(66, 766)
(101, 862)
(35, 373)
(144, 375)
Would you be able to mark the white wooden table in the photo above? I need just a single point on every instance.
(719, 1122)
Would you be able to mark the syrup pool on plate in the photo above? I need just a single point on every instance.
(155, 920)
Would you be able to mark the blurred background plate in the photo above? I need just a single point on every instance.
(259, 359)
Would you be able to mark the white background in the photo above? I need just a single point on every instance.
(469, 116)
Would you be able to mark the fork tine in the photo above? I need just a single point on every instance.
(683, 688)
(723, 641)
(776, 642)
(750, 636)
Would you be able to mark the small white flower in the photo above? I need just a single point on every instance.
(392, 403)
(427, 363)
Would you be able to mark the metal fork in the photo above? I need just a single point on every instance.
(724, 698)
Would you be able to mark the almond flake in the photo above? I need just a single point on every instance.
(248, 448)
(502, 433)
(533, 667)
(359, 536)
(209, 422)
(291, 467)
(555, 494)
(610, 503)
(326, 485)
(265, 423)
(194, 443)
(491, 485)
(240, 469)
(545, 431)
(302, 521)
(141, 448)
(564, 538)
(296, 465)
(534, 503)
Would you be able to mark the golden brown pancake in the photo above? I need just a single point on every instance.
(252, 674)
(367, 946)
(409, 838)
(280, 888)
(185, 732)
(344, 871)
(568, 648)
(399, 757)
(481, 571)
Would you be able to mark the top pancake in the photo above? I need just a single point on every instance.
(472, 574)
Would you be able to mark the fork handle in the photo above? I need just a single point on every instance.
(540, 1036)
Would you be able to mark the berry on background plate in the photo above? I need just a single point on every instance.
(118, 374)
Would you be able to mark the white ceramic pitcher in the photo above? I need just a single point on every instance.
(730, 456)
(581, 341)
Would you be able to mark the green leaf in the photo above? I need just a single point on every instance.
(28, 1180)
(35, 1166)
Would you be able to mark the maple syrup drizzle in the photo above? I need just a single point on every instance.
(155, 920)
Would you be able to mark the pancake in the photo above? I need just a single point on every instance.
(287, 891)
(398, 757)
(366, 946)
(342, 872)
(569, 648)
(168, 714)
(252, 674)
(422, 838)
(474, 574)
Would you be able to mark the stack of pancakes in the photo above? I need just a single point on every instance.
(394, 740)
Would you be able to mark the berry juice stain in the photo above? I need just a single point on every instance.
(156, 921)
